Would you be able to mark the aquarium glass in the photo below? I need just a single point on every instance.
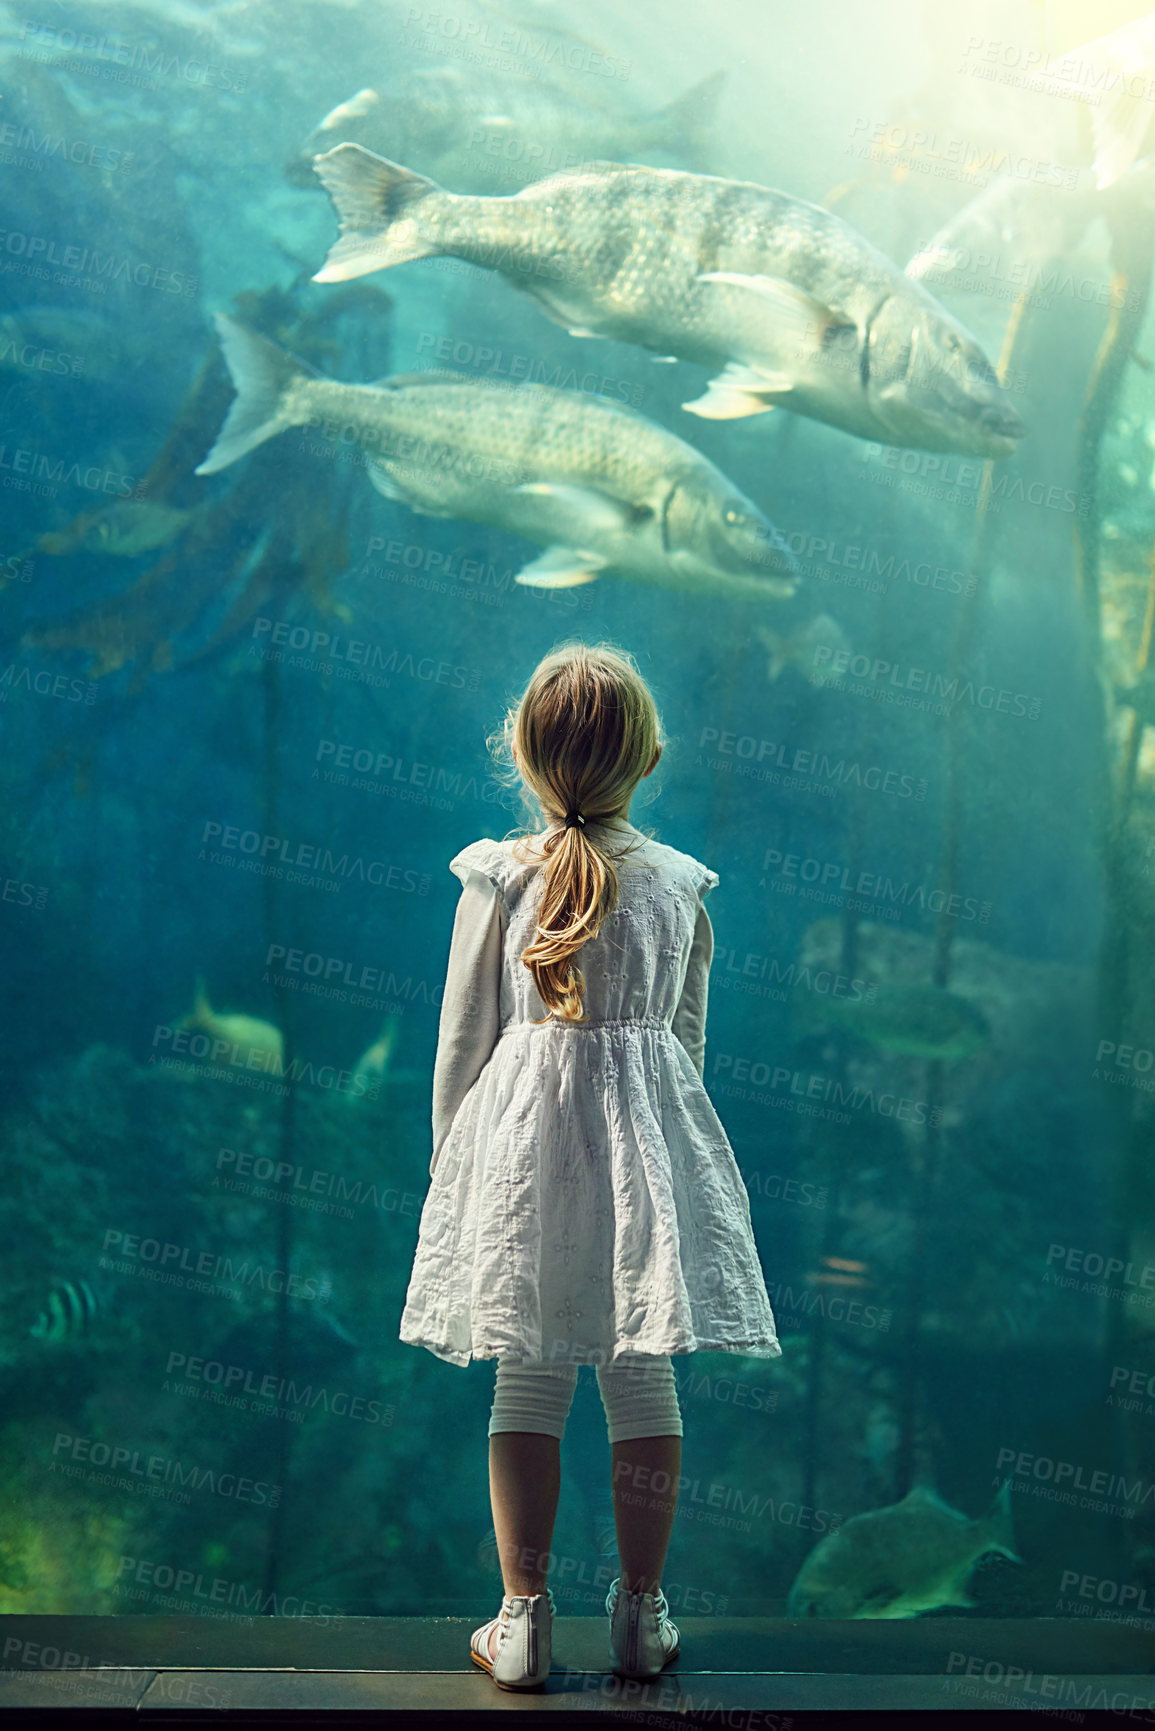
(249, 713)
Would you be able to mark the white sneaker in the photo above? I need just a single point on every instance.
(524, 1642)
(642, 1638)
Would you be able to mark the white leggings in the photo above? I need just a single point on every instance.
(638, 1393)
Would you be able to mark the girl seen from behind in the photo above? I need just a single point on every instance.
(585, 1204)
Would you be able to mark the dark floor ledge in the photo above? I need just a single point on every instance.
(742, 1674)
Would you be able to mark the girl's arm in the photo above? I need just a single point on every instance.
(470, 1009)
(689, 1023)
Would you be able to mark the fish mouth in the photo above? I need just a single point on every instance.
(768, 558)
(990, 429)
(777, 577)
(1003, 426)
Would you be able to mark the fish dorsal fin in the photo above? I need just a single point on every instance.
(605, 166)
(429, 376)
(996, 1527)
(924, 1496)
(590, 171)
(469, 381)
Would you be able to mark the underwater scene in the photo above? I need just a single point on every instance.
(355, 354)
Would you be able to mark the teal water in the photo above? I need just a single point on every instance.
(245, 718)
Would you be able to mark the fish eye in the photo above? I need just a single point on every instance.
(733, 517)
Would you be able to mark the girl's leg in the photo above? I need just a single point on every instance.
(524, 1480)
(645, 1427)
(644, 1517)
(530, 1407)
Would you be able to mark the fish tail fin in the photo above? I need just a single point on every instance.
(262, 376)
(998, 1527)
(686, 127)
(374, 199)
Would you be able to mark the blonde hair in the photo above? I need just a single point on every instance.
(585, 731)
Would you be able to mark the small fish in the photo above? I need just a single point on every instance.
(922, 1021)
(796, 307)
(128, 527)
(248, 1034)
(839, 1271)
(811, 648)
(71, 1309)
(599, 486)
(494, 134)
(902, 1560)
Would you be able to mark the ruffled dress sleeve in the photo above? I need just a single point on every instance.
(470, 1007)
(689, 1023)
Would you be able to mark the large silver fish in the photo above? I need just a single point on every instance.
(913, 1556)
(488, 133)
(600, 487)
(795, 306)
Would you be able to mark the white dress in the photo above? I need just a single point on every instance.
(585, 1201)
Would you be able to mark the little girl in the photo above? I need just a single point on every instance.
(586, 1206)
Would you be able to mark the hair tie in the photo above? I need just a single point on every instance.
(573, 818)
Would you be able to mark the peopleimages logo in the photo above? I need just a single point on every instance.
(743, 754)
(767, 976)
(938, 688)
(1099, 1487)
(952, 472)
(828, 881)
(116, 58)
(155, 1470)
(147, 1579)
(39, 252)
(46, 145)
(513, 40)
(861, 567)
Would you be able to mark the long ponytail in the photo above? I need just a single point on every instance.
(579, 888)
(584, 733)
